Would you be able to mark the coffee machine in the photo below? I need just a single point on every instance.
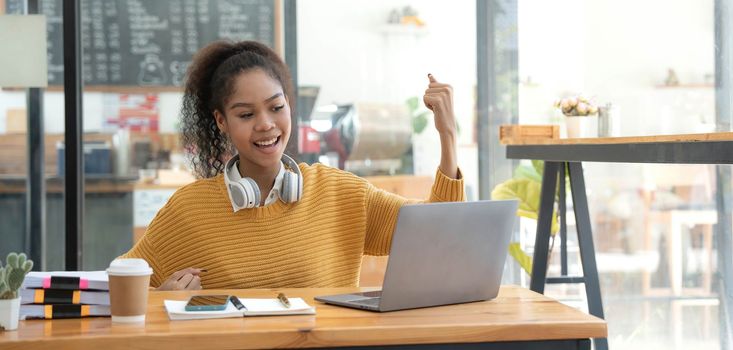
(369, 138)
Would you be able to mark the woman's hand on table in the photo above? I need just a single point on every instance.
(186, 279)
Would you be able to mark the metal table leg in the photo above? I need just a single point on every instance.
(544, 225)
(563, 224)
(585, 241)
(585, 238)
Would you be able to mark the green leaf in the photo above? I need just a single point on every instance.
(528, 193)
(3, 285)
(27, 266)
(413, 104)
(419, 122)
(527, 172)
(539, 167)
(526, 190)
(524, 260)
(12, 259)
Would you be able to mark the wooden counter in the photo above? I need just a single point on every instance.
(55, 184)
(710, 148)
(704, 137)
(516, 316)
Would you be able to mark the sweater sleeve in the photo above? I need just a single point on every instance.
(382, 208)
(146, 249)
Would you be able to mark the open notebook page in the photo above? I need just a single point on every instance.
(254, 307)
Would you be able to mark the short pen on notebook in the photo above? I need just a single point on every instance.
(283, 300)
(237, 303)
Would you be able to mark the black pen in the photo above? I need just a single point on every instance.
(237, 303)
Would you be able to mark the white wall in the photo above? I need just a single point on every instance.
(619, 51)
(344, 49)
(8, 100)
(169, 104)
(53, 109)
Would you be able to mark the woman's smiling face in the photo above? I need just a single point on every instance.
(257, 119)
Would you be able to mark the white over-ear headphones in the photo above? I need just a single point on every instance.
(245, 193)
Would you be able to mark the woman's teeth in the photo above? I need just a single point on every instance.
(267, 143)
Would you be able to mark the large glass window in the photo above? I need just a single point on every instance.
(653, 224)
(13, 170)
(362, 70)
(135, 55)
(31, 226)
(135, 58)
(369, 67)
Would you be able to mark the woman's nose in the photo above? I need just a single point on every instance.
(264, 122)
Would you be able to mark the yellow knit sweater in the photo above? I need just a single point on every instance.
(316, 242)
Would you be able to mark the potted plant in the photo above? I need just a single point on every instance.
(581, 116)
(525, 186)
(11, 278)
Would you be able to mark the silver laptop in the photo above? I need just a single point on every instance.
(442, 253)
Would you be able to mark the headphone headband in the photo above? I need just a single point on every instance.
(245, 193)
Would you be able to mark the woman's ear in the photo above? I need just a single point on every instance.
(221, 121)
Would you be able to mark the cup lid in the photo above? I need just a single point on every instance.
(129, 267)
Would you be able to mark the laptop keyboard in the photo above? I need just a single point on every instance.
(376, 293)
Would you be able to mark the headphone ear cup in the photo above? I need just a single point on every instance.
(291, 187)
(299, 186)
(237, 194)
(251, 191)
(286, 192)
(292, 181)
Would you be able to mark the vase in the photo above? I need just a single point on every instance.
(9, 313)
(581, 126)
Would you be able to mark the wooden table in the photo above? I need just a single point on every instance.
(518, 318)
(567, 154)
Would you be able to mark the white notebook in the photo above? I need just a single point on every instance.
(33, 311)
(254, 307)
(60, 296)
(68, 280)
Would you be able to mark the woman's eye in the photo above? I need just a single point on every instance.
(246, 115)
(277, 108)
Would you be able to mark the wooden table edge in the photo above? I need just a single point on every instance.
(701, 137)
(309, 334)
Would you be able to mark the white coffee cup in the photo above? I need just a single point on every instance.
(128, 289)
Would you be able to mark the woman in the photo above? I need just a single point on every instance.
(258, 219)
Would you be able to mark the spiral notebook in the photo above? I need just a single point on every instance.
(253, 307)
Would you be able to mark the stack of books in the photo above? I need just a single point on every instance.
(63, 294)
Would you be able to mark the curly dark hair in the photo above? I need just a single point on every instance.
(209, 83)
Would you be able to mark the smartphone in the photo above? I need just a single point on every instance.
(207, 302)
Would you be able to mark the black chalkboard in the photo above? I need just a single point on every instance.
(149, 43)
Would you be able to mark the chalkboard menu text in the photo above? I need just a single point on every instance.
(149, 43)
